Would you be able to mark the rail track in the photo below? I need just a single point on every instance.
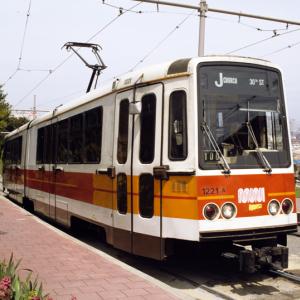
(286, 275)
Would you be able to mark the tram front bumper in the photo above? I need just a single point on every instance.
(246, 236)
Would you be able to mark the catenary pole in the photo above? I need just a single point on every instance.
(202, 8)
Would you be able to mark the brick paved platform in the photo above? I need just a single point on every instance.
(67, 267)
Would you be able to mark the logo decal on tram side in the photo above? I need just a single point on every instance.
(251, 195)
(253, 207)
(225, 80)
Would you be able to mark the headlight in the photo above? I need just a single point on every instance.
(287, 206)
(211, 211)
(228, 210)
(273, 207)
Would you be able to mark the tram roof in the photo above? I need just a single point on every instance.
(152, 73)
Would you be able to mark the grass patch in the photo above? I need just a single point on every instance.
(297, 192)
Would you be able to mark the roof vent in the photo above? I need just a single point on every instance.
(179, 66)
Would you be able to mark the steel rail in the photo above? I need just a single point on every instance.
(198, 286)
(285, 275)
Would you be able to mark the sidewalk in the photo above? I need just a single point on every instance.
(68, 267)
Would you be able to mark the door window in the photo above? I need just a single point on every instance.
(178, 126)
(147, 141)
(122, 193)
(146, 196)
(40, 146)
(123, 132)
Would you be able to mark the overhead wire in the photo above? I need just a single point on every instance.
(22, 44)
(68, 57)
(248, 25)
(35, 70)
(122, 11)
(10, 77)
(275, 35)
(98, 32)
(281, 49)
(64, 96)
(161, 41)
(24, 35)
(275, 30)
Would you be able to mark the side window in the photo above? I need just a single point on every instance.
(16, 150)
(10, 152)
(49, 143)
(122, 193)
(19, 149)
(177, 126)
(147, 142)
(123, 132)
(93, 134)
(40, 145)
(7, 152)
(146, 196)
(62, 141)
(76, 139)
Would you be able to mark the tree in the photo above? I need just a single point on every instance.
(8, 122)
(5, 111)
(15, 122)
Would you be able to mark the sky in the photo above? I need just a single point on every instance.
(33, 33)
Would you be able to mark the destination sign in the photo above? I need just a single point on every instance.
(238, 80)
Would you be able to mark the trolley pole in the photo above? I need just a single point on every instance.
(203, 9)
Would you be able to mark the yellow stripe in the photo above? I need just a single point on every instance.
(37, 180)
(216, 197)
(53, 182)
(281, 194)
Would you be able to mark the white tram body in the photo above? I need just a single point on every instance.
(192, 150)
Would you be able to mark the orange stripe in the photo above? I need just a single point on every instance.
(281, 194)
(101, 190)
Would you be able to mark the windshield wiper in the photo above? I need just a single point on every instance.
(216, 147)
(265, 162)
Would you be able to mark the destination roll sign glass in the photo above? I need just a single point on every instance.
(239, 80)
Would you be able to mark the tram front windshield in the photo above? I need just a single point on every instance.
(242, 119)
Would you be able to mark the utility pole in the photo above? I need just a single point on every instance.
(203, 9)
(34, 107)
(32, 111)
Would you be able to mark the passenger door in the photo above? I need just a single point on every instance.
(19, 168)
(40, 177)
(137, 217)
